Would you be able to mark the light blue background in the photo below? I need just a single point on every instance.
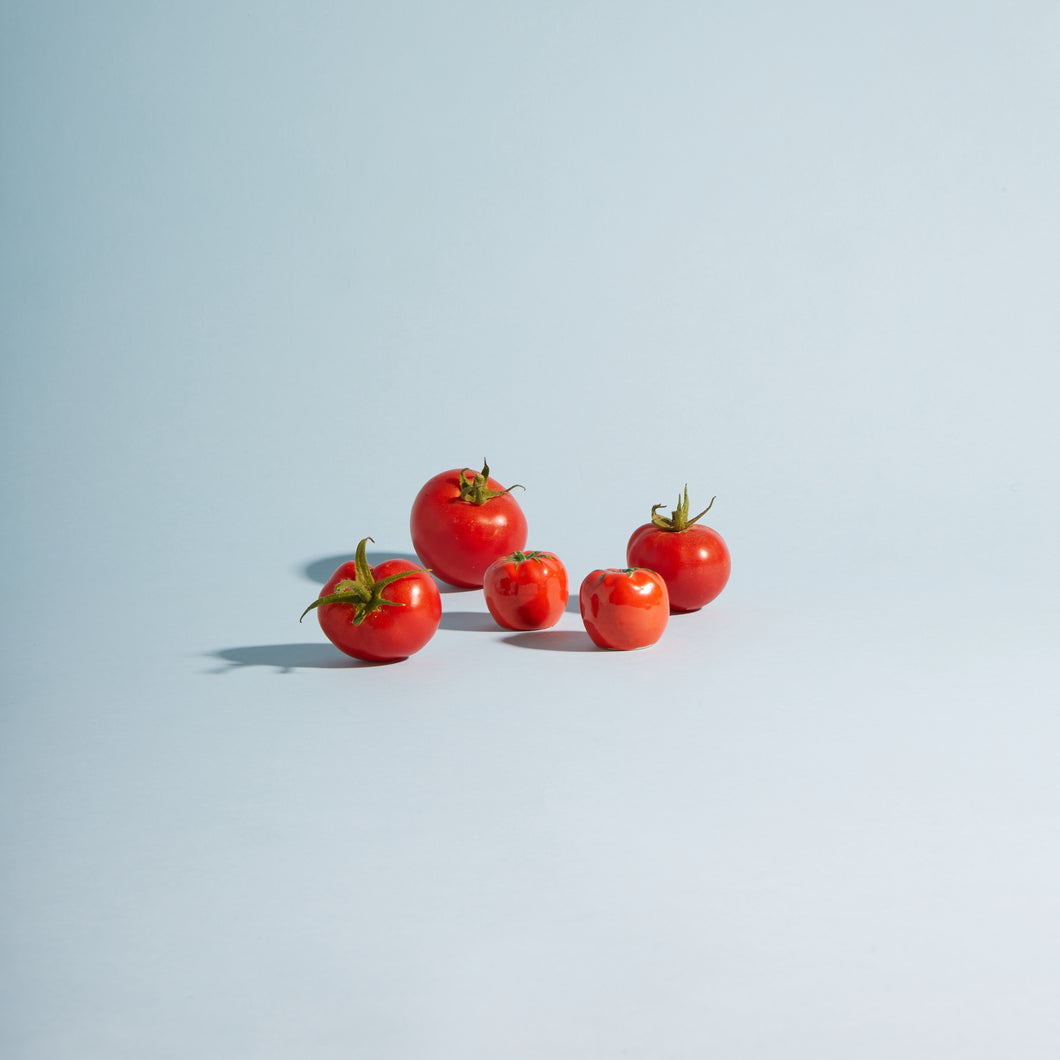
(268, 267)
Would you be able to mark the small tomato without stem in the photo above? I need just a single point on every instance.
(624, 609)
(692, 559)
(526, 590)
(379, 614)
(461, 521)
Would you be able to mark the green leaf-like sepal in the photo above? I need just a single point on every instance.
(524, 557)
(678, 519)
(365, 591)
(474, 485)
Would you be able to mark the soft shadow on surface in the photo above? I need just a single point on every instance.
(469, 622)
(552, 640)
(573, 607)
(319, 570)
(286, 658)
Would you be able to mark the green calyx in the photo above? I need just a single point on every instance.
(364, 592)
(474, 486)
(523, 557)
(678, 519)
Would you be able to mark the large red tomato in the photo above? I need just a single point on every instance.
(381, 613)
(462, 521)
(624, 609)
(692, 559)
(526, 590)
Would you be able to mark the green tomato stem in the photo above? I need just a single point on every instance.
(474, 486)
(365, 591)
(522, 557)
(678, 519)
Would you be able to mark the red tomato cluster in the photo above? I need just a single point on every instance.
(470, 532)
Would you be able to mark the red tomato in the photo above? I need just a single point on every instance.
(381, 613)
(624, 609)
(693, 559)
(526, 590)
(462, 521)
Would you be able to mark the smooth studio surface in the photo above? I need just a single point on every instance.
(267, 270)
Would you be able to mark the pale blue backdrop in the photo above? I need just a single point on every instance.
(268, 267)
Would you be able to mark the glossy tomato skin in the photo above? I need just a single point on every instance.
(624, 609)
(694, 562)
(387, 633)
(526, 590)
(458, 539)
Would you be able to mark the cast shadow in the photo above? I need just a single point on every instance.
(286, 658)
(552, 640)
(469, 622)
(319, 570)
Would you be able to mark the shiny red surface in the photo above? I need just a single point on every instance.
(694, 562)
(390, 632)
(526, 590)
(624, 609)
(458, 540)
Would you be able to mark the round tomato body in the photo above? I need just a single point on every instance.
(624, 609)
(461, 521)
(405, 619)
(693, 562)
(526, 590)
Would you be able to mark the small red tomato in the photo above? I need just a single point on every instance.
(462, 521)
(624, 609)
(526, 590)
(693, 560)
(381, 613)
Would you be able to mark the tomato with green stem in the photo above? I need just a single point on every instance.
(378, 614)
(624, 609)
(526, 590)
(693, 559)
(461, 521)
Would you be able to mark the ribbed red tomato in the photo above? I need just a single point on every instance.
(461, 521)
(692, 559)
(624, 609)
(526, 590)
